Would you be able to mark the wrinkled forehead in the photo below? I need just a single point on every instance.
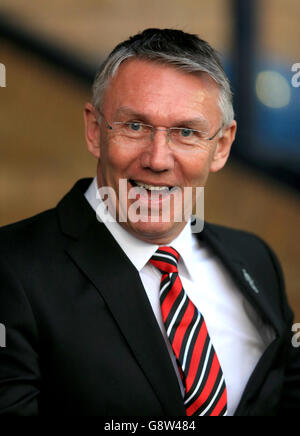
(161, 90)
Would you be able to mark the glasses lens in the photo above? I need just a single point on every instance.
(133, 130)
(185, 136)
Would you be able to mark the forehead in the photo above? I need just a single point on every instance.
(161, 91)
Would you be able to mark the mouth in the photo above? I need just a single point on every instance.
(155, 201)
(155, 189)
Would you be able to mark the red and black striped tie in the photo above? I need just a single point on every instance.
(199, 367)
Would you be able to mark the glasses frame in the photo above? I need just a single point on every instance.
(160, 129)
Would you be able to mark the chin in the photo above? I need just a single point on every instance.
(156, 232)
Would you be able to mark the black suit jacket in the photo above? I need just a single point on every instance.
(81, 335)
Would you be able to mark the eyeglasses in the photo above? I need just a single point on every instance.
(134, 132)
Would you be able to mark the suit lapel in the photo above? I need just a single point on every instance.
(256, 294)
(246, 279)
(101, 259)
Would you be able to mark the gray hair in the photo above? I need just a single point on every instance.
(184, 51)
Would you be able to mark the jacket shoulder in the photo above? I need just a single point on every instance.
(24, 235)
(230, 233)
(241, 242)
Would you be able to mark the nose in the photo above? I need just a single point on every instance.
(158, 156)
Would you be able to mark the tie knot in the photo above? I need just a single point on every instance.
(165, 259)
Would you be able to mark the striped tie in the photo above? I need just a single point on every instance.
(199, 367)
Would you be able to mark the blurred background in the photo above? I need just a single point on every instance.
(51, 51)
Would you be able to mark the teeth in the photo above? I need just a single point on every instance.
(151, 187)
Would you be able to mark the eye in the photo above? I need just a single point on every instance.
(186, 133)
(136, 127)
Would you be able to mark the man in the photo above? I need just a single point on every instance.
(140, 315)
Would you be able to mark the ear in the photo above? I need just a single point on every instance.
(92, 130)
(223, 148)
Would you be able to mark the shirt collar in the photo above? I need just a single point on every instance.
(140, 252)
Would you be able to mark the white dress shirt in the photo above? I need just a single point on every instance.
(236, 331)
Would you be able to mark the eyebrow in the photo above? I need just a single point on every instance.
(125, 110)
(197, 123)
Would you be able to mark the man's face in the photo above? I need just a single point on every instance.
(163, 97)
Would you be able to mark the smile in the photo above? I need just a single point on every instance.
(150, 187)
